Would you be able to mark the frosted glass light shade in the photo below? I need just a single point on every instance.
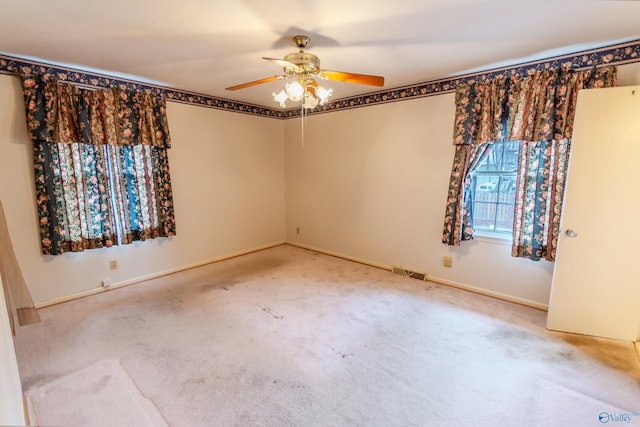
(306, 91)
(310, 101)
(294, 90)
(323, 94)
(281, 98)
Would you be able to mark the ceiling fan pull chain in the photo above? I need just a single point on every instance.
(302, 119)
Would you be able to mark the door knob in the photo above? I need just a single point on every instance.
(570, 233)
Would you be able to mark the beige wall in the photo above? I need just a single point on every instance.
(371, 183)
(629, 75)
(368, 183)
(228, 180)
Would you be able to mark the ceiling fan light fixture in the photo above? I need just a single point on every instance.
(281, 98)
(305, 90)
(295, 90)
(310, 102)
(303, 68)
(323, 94)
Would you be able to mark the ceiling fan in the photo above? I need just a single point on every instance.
(302, 68)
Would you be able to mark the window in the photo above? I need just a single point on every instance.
(101, 165)
(493, 189)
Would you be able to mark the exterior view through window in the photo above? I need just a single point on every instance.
(494, 189)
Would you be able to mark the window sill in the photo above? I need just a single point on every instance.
(499, 239)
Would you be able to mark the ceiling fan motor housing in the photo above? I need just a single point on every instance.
(307, 61)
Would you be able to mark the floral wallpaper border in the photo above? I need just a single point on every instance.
(618, 54)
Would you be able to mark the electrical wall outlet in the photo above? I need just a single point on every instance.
(447, 261)
(113, 264)
(297, 230)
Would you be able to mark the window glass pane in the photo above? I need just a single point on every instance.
(502, 158)
(494, 188)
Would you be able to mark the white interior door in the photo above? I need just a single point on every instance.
(596, 280)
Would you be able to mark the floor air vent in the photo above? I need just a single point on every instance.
(409, 273)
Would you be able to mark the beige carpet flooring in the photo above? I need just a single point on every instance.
(114, 400)
(290, 337)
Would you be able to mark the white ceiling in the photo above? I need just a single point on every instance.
(205, 46)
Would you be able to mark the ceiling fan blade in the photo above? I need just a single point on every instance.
(255, 82)
(363, 79)
(286, 64)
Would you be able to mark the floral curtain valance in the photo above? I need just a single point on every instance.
(480, 112)
(540, 107)
(59, 112)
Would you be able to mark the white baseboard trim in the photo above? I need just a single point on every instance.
(139, 279)
(430, 278)
(340, 255)
(498, 295)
